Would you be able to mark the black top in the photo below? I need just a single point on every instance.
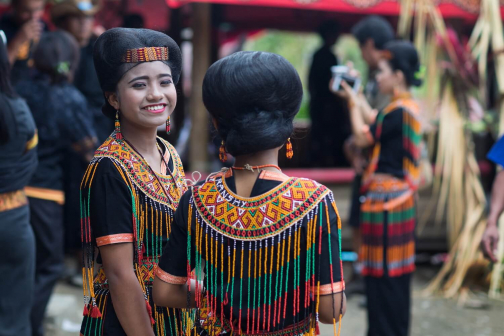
(391, 141)
(174, 261)
(18, 159)
(23, 66)
(60, 112)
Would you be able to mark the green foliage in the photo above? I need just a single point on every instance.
(298, 49)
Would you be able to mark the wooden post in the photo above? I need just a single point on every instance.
(201, 43)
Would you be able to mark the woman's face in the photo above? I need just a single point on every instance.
(387, 78)
(146, 95)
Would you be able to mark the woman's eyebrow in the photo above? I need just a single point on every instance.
(165, 75)
(137, 78)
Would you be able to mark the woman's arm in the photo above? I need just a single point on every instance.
(173, 296)
(368, 113)
(331, 306)
(127, 295)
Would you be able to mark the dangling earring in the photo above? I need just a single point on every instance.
(118, 127)
(222, 152)
(290, 151)
(168, 126)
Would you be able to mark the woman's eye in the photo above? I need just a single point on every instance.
(166, 82)
(138, 85)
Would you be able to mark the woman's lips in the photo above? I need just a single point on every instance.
(155, 108)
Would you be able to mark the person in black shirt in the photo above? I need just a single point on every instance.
(389, 185)
(77, 18)
(22, 27)
(60, 113)
(330, 125)
(18, 160)
(261, 250)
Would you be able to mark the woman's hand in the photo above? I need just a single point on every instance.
(351, 96)
(490, 241)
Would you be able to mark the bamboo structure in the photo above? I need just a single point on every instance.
(457, 194)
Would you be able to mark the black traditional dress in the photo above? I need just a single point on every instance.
(388, 217)
(124, 201)
(261, 262)
(18, 161)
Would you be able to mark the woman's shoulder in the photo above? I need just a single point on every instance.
(104, 168)
(20, 113)
(403, 105)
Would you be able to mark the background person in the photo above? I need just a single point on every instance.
(372, 33)
(23, 27)
(77, 18)
(63, 122)
(18, 161)
(389, 184)
(330, 125)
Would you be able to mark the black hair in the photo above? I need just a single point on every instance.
(5, 89)
(112, 45)
(328, 28)
(375, 28)
(133, 20)
(254, 97)
(404, 57)
(57, 55)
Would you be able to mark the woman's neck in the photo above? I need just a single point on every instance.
(267, 157)
(143, 139)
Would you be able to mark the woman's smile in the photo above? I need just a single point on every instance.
(155, 108)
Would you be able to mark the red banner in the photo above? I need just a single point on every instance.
(449, 8)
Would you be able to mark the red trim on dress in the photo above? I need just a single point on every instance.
(336, 287)
(114, 239)
(168, 278)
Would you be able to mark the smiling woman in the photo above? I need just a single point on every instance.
(132, 186)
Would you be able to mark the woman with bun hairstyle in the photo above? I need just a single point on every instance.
(132, 186)
(262, 247)
(388, 208)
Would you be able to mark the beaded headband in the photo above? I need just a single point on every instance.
(148, 54)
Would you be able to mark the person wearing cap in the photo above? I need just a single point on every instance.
(23, 26)
(77, 18)
(60, 113)
(132, 186)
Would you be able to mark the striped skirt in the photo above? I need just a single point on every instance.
(388, 218)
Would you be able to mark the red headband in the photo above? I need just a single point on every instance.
(148, 54)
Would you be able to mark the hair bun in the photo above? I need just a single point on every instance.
(254, 97)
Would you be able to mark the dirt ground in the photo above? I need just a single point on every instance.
(431, 316)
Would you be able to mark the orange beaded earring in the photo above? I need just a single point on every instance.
(222, 152)
(288, 147)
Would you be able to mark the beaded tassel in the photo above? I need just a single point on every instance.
(118, 126)
(290, 151)
(222, 152)
(168, 126)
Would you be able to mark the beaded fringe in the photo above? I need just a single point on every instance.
(151, 221)
(263, 308)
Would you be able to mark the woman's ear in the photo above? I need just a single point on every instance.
(400, 78)
(112, 99)
(215, 123)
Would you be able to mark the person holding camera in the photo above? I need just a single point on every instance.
(372, 33)
(389, 184)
